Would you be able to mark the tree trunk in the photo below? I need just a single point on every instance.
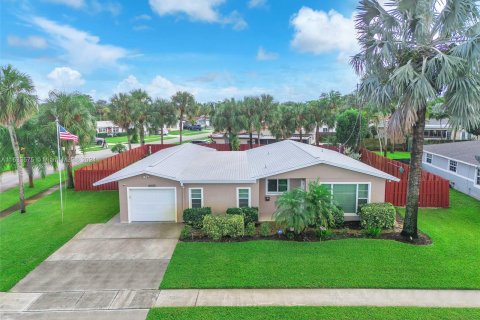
(181, 126)
(16, 150)
(250, 133)
(258, 137)
(161, 134)
(142, 134)
(29, 167)
(317, 132)
(69, 167)
(301, 140)
(128, 139)
(414, 176)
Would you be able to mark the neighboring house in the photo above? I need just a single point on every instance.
(108, 127)
(456, 162)
(161, 186)
(265, 138)
(439, 130)
(204, 121)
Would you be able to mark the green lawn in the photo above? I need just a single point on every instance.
(396, 154)
(150, 138)
(310, 313)
(9, 197)
(5, 168)
(28, 239)
(188, 132)
(451, 262)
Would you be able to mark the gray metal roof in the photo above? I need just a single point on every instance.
(190, 163)
(463, 151)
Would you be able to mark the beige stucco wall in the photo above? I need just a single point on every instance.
(219, 197)
(324, 173)
(223, 196)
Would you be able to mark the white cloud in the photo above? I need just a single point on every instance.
(82, 49)
(66, 78)
(29, 42)
(145, 17)
(198, 10)
(158, 87)
(257, 3)
(263, 55)
(141, 27)
(77, 4)
(320, 32)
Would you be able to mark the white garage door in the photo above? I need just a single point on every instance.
(151, 204)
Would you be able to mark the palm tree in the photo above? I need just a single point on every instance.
(123, 113)
(141, 102)
(265, 107)
(282, 124)
(184, 102)
(161, 113)
(228, 117)
(76, 113)
(292, 210)
(412, 53)
(17, 103)
(302, 118)
(250, 109)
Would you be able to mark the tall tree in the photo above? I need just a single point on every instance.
(351, 128)
(123, 113)
(162, 113)
(302, 118)
(411, 53)
(282, 124)
(17, 103)
(323, 111)
(228, 117)
(141, 102)
(250, 108)
(265, 107)
(76, 113)
(184, 102)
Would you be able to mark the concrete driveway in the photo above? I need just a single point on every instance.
(104, 270)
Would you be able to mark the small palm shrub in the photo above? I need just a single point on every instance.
(293, 211)
(119, 148)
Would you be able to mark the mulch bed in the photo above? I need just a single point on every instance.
(351, 230)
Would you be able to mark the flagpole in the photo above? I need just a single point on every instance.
(59, 163)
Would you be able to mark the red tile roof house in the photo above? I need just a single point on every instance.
(161, 186)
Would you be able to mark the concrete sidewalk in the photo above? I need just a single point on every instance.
(319, 297)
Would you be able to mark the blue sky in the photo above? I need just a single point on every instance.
(216, 49)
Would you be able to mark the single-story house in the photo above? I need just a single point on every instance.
(160, 186)
(459, 162)
(266, 137)
(108, 127)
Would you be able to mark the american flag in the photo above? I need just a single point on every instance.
(65, 135)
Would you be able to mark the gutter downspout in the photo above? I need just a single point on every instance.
(183, 196)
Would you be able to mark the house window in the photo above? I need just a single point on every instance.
(276, 186)
(243, 197)
(350, 196)
(325, 129)
(453, 166)
(196, 198)
(477, 180)
(429, 158)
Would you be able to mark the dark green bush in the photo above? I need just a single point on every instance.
(217, 227)
(265, 229)
(373, 232)
(186, 232)
(194, 216)
(338, 217)
(250, 229)
(250, 214)
(377, 215)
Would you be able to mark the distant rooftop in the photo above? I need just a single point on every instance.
(462, 151)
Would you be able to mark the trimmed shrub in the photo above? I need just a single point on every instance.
(338, 217)
(217, 227)
(250, 214)
(265, 229)
(377, 215)
(186, 232)
(194, 216)
(250, 229)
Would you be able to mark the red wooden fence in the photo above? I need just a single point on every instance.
(86, 176)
